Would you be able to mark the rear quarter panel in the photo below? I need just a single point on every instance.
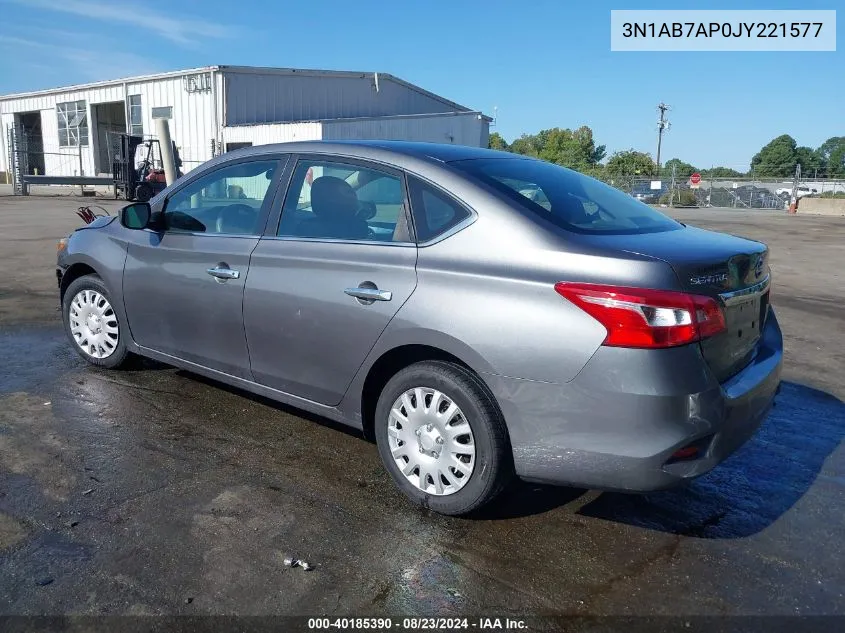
(486, 295)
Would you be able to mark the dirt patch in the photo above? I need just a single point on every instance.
(11, 532)
(30, 445)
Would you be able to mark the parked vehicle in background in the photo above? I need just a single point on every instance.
(801, 192)
(644, 193)
(480, 314)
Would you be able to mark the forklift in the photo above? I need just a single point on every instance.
(147, 179)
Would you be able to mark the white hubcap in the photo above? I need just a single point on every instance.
(93, 324)
(431, 441)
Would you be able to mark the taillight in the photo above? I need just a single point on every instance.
(640, 317)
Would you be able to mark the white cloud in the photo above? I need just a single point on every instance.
(184, 30)
(90, 64)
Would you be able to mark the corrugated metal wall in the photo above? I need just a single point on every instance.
(253, 97)
(60, 160)
(461, 129)
(273, 133)
(192, 126)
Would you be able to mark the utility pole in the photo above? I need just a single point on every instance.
(662, 124)
(710, 195)
(795, 182)
(672, 189)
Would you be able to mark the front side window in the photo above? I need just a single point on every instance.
(333, 200)
(73, 123)
(136, 120)
(566, 198)
(226, 201)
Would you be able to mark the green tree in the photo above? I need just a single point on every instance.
(721, 172)
(682, 170)
(832, 155)
(809, 159)
(497, 142)
(575, 149)
(778, 158)
(629, 164)
(527, 145)
(593, 153)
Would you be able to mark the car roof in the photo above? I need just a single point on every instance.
(381, 150)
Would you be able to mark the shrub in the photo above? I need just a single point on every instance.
(681, 198)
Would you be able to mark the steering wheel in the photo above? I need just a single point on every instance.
(240, 217)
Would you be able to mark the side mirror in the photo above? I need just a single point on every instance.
(136, 216)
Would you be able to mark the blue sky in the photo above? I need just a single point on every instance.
(540, 63)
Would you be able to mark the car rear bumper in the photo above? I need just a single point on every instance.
(617, 425)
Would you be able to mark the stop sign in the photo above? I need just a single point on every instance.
(695, 178)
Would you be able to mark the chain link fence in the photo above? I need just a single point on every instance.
(739, 193)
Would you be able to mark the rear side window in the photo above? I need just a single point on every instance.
(344, 201)
(566, 198)
(434, 212)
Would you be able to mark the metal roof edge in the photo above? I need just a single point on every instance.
(108, 82)
(423, 91)
(391, 117)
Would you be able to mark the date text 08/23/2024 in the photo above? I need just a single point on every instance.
(417, 624)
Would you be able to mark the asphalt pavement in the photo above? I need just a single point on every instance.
(155, 491)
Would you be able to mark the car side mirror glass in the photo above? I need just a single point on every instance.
(136, 216)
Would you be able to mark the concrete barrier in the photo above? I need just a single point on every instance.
(821, 206)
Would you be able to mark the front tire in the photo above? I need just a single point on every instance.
(91, 323)
(442, 438)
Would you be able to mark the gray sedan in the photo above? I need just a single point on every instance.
(414, 291)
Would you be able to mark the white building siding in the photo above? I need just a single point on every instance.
(240, 104)
(273, 133)
(270, 97)
(192, 127)
(461, 129)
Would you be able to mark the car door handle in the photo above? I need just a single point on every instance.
(369, 294)
(223, 273)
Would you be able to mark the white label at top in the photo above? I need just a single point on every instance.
(709, 30)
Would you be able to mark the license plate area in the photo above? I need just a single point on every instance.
(743, 321)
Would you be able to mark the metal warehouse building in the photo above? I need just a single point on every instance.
(75, 130)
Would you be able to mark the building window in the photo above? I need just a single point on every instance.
(136, 120)
(73, 123)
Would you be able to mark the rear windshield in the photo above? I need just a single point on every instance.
(568, 199)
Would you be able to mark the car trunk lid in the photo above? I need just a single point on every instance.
(731, 269)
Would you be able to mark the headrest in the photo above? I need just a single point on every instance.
(333, 197)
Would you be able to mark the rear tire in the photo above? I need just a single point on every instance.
(438, 422)
(92, 325)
